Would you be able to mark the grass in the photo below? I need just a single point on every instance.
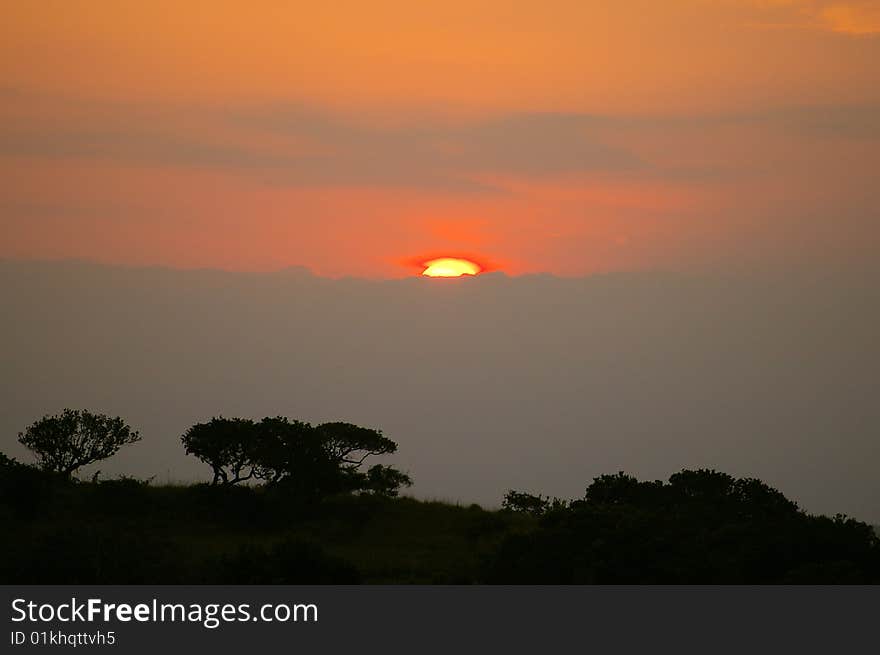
(129, 532)
(386, 540)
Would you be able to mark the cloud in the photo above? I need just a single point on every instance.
(293, 146)
(858, 18)
(308, 147)
(847, 121)
(434, 153)
(853, 17)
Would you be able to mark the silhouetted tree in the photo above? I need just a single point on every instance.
(325, 459)
(525, 503)
(227, 445)
(623, 489)
(385, 481)
(65, 442)
(348, 446)
(309, 462)
(288, 450)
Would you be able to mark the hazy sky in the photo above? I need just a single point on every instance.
(565, 136)
(678, 201)
(534, 382)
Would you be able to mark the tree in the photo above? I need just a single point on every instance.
(288, 449)
(65, 442)
(227, 445)
(348, 446)
(526, 503)
(385, 481)
(308, 461)
(622, 489)
(316, 461)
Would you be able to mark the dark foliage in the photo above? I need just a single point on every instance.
(224, 444)
(25, 491)
(287, 562)
(525, 503)
(120, 497)
(308, 462)
(65, 442)
(384, 481)
(699, 527)
(91, 554)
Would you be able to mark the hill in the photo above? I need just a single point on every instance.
(129, 532)
(699, 527)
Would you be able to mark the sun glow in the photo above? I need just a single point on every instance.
(450, 267)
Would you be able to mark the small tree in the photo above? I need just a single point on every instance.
(526, 503)
(226, 445)
(385, 481)
(67, 441)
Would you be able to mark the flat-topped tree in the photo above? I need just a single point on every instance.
(325, 459)
(308, 461)
(226, 445)
(349, 445)
(289, 448)
(74, 438)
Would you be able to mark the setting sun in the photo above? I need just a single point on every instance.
(450, 267)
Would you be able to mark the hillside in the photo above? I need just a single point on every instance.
(129, 532)
(700, 527)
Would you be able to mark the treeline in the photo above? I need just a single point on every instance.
(309, 461)
(699, 527)
(294, 503)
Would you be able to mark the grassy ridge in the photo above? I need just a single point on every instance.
(699, 527)
(121, 531)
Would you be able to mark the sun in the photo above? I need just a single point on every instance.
(450, 267)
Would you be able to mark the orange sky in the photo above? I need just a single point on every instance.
(352, 137)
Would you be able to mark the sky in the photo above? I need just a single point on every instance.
(535, 382)
(356, 139)
(221, 208)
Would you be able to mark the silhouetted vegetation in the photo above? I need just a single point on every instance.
(70, 440)
(225, 445)
(286, 562)
(699, 527)
(125, 531)
(25, 491)
(309, 461)
(290, 503)
(518, 501)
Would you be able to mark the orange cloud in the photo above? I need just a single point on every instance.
(567, 136)
(853, 18)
